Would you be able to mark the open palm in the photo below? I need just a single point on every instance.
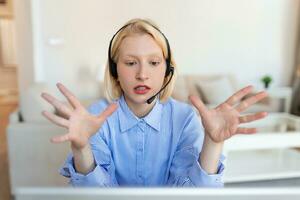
(81, 125)
(223, 121)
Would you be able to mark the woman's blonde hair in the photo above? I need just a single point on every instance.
(112, 88)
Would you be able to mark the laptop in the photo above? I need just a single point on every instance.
(156, 193)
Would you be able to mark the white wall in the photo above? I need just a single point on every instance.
(249, 38)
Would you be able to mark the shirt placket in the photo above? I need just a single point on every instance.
(140, 152)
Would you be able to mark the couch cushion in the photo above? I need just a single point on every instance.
(215, 91)
(32, 104)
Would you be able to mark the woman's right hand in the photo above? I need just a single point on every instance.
(80, 123)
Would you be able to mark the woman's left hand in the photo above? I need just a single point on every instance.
(223, 121)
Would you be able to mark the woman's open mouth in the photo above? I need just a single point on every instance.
(141, 89)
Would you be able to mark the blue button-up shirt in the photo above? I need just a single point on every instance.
(160, 149)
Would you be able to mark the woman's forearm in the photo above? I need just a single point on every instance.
(83, 160)
(210, 155)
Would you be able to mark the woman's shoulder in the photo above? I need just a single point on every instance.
(183, 116)
(180, 107)
(98, 106)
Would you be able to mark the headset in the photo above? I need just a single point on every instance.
(169, 67)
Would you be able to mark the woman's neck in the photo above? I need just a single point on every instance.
(140, 110)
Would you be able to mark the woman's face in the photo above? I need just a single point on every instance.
(141, 68)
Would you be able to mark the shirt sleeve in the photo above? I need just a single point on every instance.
(185, 170)
(103, 175)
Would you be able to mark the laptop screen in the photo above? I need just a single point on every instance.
(156, 193)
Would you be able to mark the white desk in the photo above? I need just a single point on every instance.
(267, 154)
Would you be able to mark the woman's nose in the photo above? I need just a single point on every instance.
(142, 73)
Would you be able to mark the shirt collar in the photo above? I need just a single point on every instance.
(127, 118)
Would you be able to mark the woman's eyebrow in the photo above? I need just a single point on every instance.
(156, 55)
(148, 55)
(129, 55)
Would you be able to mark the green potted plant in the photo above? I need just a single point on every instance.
(267, 79)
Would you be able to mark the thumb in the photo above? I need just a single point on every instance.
(108, 111)
(197, 102)
(60, 138)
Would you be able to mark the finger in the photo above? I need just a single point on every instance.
(253, 117)
(196, 101)
(250, 101)
(108, 111)
(236, 97)
(242, 130)
(56, 120)
(69, 95)
(57, 104)
(60, 138)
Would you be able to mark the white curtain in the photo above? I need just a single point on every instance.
(295, 108)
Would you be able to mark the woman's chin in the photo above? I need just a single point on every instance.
(142, 99)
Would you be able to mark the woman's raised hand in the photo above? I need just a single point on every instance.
(223, 121)
(80, 123)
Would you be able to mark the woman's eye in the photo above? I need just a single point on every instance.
(154, 63)
(130, 63)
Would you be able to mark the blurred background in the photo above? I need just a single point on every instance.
(219, 47)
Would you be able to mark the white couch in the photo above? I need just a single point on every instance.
(33, 160)
(215, 89)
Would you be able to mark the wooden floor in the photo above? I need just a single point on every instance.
(5, 110)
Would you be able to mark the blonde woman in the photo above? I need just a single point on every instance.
(139, 135)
